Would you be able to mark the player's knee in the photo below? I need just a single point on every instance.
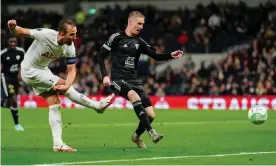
(56, 100)
(150, 112)
(13, 100)
(133, 96)
(52, 100)
(151, 115)
(13, 104)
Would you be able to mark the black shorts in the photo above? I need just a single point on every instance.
(9, 85)
(120, 87)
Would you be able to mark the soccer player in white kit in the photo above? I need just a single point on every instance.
(50, 45)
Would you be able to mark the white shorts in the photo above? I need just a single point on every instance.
(41, 80)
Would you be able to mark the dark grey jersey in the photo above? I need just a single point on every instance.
(125, 52)
(11, 59)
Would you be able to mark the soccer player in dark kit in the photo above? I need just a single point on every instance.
(11, 57)
(125, 48)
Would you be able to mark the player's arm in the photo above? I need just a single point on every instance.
(148, 50)
(104, 52)
(22, 51)
(1, 57)
(70, 57)
(1, 61)
(17, 30)
(72, 71)
(71, 66)
(71, 75)
(38, 33)
(101, 57)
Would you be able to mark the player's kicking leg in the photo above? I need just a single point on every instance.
(81, 99)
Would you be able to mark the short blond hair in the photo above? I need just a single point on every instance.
(136, 14)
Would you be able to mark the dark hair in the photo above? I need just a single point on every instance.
(63, 25)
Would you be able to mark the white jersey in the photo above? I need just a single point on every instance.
(45, 49)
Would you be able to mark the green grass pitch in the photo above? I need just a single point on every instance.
(190, 137)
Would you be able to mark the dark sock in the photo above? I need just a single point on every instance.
(141, 129)
(14, 115)
(142, 115)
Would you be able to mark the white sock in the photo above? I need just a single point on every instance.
(81, 99)
(55, 123)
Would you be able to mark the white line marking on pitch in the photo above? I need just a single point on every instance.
(135, 124)
(163, 158)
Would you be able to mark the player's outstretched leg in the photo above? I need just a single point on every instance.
(81, 99)
(106, 102)
(142, 115)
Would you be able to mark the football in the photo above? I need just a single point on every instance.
(257, 114)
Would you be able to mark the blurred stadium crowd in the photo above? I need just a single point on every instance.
(248, 69)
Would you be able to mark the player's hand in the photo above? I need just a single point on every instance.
(12, 24)
(61, 87)
(177, 54)
(106, 81)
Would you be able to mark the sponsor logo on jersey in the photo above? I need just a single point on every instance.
(47, 55)
(129, 62)
(17, 57)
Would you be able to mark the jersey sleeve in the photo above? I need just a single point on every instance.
(21, 50)
(70, 54)
(39, 33)
(150, 51)
(144, 44)
(105, 50)
(3, 51)
(145, 48)
(110, 42)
